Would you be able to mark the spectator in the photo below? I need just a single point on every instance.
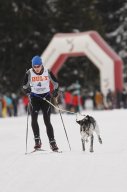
(68, 100)
(3, 107)
(89, 104)
(99, 100)
(9, 105)
(124, 98)
(14, 103)
(25, 101)
(109, 99)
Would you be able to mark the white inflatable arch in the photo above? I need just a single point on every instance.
(91, 45)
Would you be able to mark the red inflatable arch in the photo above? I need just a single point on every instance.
(91, 45)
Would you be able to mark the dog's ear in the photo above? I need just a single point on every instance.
(87, 117)
(79, 122)
(92, 120)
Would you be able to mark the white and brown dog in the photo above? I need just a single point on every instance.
(88, 126)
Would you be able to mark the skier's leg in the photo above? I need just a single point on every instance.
(49, 128)
(34, 124)
(46, 115)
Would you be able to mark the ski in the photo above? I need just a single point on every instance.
(43, 150)
(36, 150)
(56, 151)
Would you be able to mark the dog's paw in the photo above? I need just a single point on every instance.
(91, 150)
(100, 140)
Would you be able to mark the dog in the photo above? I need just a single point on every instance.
(88, 126)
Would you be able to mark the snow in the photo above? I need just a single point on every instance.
(105, 170)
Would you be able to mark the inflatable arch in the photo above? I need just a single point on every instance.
(88, 44)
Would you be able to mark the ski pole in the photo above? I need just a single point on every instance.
(63, 126)
(27, 127)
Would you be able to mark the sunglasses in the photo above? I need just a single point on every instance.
(36, 66)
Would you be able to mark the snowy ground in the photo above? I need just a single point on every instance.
(105, 170)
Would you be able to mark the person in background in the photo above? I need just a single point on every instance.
(14, 103)
(0, 107)
(25, 101)
(9, 104)
(3, 106)
(124, 98)
(68, 100)
(37, 85)
(99, 100)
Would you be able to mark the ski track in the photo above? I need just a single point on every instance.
(101, 171)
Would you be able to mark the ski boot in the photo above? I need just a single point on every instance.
(53, 145)
(37, 143)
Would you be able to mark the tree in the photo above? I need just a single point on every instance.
(72, 16)
(24, 32)
(114, 14)
(26, 27)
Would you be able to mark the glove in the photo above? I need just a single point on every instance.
(55, 93)
(27, 91)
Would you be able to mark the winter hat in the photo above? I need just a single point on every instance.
(36, 60)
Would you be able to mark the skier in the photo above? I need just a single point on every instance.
(36, 84)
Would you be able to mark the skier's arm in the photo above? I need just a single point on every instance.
(26, 82)
(53, 80)
(55, 83)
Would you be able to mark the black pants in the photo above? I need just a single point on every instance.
(38, 104)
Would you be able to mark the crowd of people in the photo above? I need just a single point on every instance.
(13, 105)
(16, 105)
(95, 100)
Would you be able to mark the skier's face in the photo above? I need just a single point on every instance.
(37, 68)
